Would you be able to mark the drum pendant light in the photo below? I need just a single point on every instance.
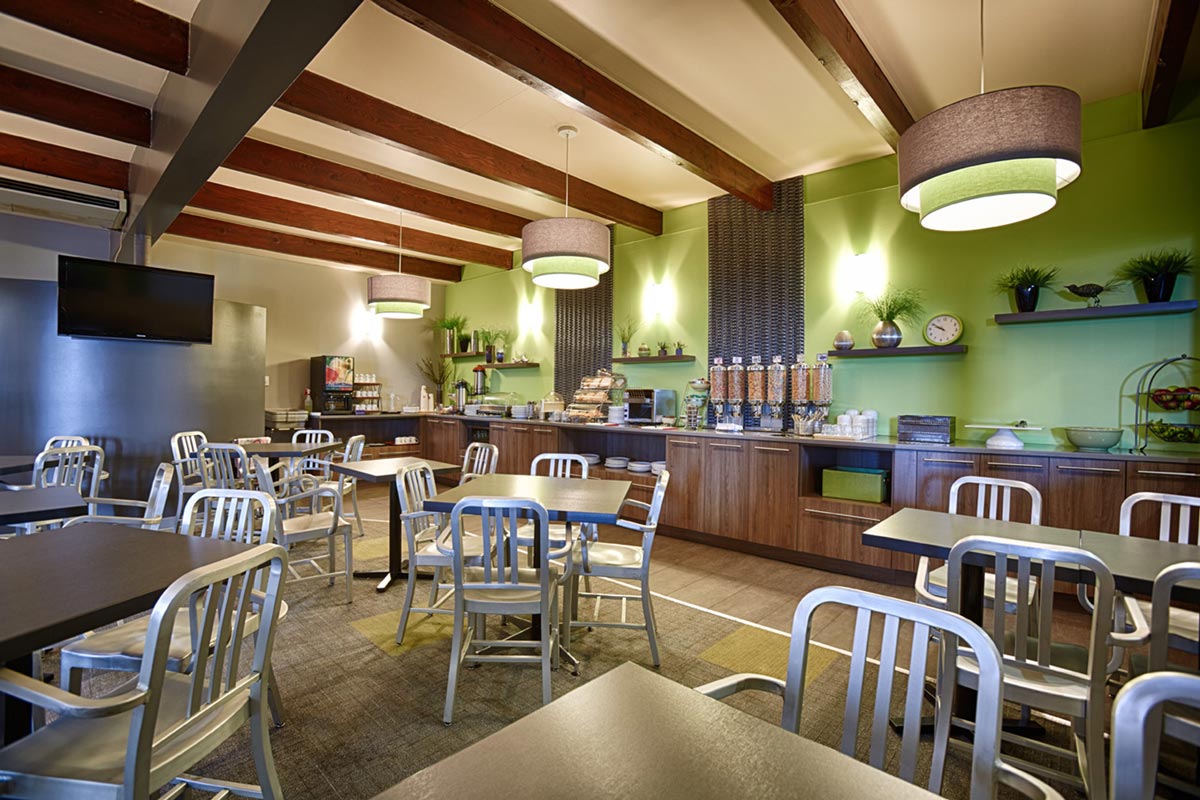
(398, 296)
(561, 252)
(994, 159)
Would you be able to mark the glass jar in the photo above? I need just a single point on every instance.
(718, 386)
(776, 381)
(800, 372)
(756, 381)
(735, 378)
(821, 381)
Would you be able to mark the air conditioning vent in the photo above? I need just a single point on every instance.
(36, 195)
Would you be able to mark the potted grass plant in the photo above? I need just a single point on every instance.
(1157, 272)
(447, 328)
(663, 348)
(891, 307)
(625, 331)
(1025, 283)
(487, 340)
(679, 348)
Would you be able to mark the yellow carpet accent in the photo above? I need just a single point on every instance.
(750, 649)
(368, 547)
(380, 630)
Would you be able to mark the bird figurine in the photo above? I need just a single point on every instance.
(1090, 291)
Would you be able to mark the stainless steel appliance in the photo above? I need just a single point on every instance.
(648, 406)
(331, 379)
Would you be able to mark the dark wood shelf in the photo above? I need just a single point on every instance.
(653, 359)
(513, 365)
(874, 352)
(1103, 312)
(475, 354)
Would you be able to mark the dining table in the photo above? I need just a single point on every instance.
(383, 470)
(10, 465)
(634, 733)
(33, 505)
(276, 450)
(58, 584)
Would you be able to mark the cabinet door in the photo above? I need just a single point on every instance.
(1087, 494)
(513, 441)
(543, 439)
(1163, 477)
(684, 501)
(1029, 469)
(726, 502)
(833, 529)
(936, 472)
(774, 486)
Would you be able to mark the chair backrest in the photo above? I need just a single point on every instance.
(160, 487)
(924, 621)
(656, 500)
(235, 515)
(222, 466)
(1032, 648)
(312, 465)
(480, 458)
(1175, 514)
(500, 518)
(994, 500)
(354, 448)
(184, 447)
(560, 465)
(1160, 610)
(65, 441)
(414, 485)
(1138, 725)
(78, 467)
(220, 602)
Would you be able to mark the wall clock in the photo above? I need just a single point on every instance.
(943, 329)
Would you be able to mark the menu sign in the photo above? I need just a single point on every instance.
(339, 373)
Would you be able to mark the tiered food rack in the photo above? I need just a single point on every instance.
(1145, 386)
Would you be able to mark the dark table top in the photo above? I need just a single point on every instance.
(12, 464)
(289, 449)
(61, 583)
(382, 470)
(566, 499)
(31, 505)
(633, 733)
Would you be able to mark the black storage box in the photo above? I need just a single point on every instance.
(925, 430)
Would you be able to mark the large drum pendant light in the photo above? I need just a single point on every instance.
(561, 252)
(993, 159)
(398, 296)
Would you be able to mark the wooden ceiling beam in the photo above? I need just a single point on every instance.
(191, 226)
(824, 29)
(265, 208)
(491, 35)
(133, 29)
(63, 162)
(71, 107)
(278, 163)
(1173, 27)
(332, 103)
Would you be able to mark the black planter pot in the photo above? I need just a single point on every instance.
(1159, 287)
(1027, 297)
(499, 356)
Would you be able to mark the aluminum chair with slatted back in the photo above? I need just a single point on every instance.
(153, 507)
(149, 732)
(1138, 724)
(78, 467)
(1064, 678)
(55, 442)
(223, 465)
(502, 585)
(347, 484)
(988, 771)
(479, 458)
(188, 473)
(317, 466)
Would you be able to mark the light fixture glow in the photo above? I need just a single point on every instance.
(398, 296)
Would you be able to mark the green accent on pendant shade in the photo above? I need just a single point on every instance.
(565, 272)
(989, 195)
(398, 310)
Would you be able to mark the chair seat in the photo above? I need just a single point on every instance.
(428, 554)
(938, 578)
(94, 749)
(526, 576)
(558, 531)
(346, 485)
(1029, 685)
(1182, 623)
(308, 525)
(603, 555)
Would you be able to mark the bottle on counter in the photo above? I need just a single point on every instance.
(308, 405)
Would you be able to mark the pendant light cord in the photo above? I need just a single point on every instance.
(981, 58)
(400, 244)
(567, 179)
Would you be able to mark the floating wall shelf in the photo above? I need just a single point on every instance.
(513, 365)
(652, 359)
(1103, 312)
(874, 352)
(474, 354)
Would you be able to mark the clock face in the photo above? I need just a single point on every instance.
(943, 329)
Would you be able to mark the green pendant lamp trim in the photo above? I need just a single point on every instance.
(989, 195)
(398, 310)
(565, 272)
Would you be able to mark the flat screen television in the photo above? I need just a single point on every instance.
(105, 299)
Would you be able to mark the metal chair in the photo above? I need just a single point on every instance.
(294, 525)
(346, 484)
(153, 507)
(223, 466)
(1138, 724)
(414, 485)
(559, 465)
(147, 733)
(1063, 678)
(504, 587)
(188, 473)
(78, 467)
(479, 459)
(994, 501)
(988, 771)
(625, 562)
(316, 466)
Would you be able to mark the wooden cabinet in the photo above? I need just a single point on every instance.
(1085, 494)
(1163, 477)
(1029, 469)
(515, 445)
(683, 504)
(834, 528)
(937, 470)
(543, 439)
(726, 500)
(443, 440)
(773, 487)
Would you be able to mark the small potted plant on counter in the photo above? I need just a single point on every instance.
(487, 340)
(625, 331)
(891, 306)
(1157, 272)
(679, 348)
(503, 340)
(1025, 283)
(663, 347)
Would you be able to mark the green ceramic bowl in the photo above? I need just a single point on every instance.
(1094, 440)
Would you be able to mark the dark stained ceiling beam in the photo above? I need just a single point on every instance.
(832, 39)
(488, 33)
(334, 104)
(133, 29)
(71, 107)
(279, 163)
(244, 55)
(214, 230)
(265, 208)
(63, 162)
(1164, 61)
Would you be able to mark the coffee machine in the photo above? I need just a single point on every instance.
(331, 379)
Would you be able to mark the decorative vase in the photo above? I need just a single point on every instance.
(624, 349)
(886, 334)
(489, 354)
(474, 348)
(662, 352)
(678, 351)
(843, 341)
(499, 356)
(464, 343)
(1027, 298)
(643, 350)
(449, 340)
(1159, 287)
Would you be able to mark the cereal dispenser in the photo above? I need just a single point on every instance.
(718, 389)
(735, 395)
(776, 394)
(756, 386)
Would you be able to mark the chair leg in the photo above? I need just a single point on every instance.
(274, 701)
(409, 589)
(357, 513)
(347, 540)
(260, 746)
(433, 588)
(455, 659)
(1090, 750)
(332, 556)
(549, 648)
(70, 678)
(648, 613)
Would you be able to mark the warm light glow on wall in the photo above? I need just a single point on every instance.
(864, 273)
(659, 302)
(365, 325)
(529, 317)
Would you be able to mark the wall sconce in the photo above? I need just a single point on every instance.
(864, 273)
(365, 324)
(529, 316)
(659, 301)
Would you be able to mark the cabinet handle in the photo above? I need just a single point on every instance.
(520, 428)
(772, 449)
(543, 430)
(968, 462)
(727, 446)
(1014, 464)
(1170, 474)
(841, 515)
(682, 443)
(1088, 469)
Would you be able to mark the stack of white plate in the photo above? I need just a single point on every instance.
(520, 412)
(639, 466)
(657, 466)
(591, 458)
(616, 462)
